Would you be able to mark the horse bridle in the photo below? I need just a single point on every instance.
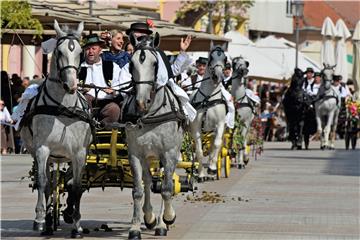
(219, 50)
(142, 57)
(71, 47)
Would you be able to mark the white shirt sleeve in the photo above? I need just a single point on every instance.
(181, 63)
(116, 76)
(124, 78)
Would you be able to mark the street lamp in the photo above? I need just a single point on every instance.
(297, 9)
(211, 6)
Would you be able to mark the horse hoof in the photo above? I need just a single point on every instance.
(75, 234)
(299, 148)
(322, 147)
(211, 172)
(67, 215)
(38, 226)
(160, 232)
(47, 232)
(134, 235)
(167, 222)
(241, 166)
(150, 225)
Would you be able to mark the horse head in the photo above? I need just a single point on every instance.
(240, 68)
(327, 75)
(297, 79)
(144, 69)
(216, 64)
(66, 56)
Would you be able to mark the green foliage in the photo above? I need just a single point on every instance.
(17, 15)
(187, 147)
(238, 139)
(215, 6)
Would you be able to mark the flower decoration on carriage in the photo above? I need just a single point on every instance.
(150, 23)
(354, 108)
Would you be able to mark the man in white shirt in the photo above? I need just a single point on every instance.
(309, 77)
(193, 82)
(164, 76)
(341, 88)
(313, 88)
(227, 76)
(94, 71)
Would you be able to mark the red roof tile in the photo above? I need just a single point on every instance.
(315, 12)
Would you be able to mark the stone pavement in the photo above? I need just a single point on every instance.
(285, 194)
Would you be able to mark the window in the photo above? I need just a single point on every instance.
(288, 8)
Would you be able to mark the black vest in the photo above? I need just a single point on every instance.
(107, 69)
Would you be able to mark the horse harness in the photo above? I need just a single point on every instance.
(176, 114)
(250, 103)
(59, 110)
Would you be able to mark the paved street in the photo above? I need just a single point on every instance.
(283, 195)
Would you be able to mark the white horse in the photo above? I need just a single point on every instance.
(211, 110)
(245, 107)
(327, 107)
(57, 127)
(157, 134)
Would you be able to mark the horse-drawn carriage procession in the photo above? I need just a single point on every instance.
(73, 132)
(140, 130)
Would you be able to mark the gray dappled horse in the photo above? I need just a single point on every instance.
(58, 128)
(211, 110)
(245, 107)
(327, 107)
(157, 134)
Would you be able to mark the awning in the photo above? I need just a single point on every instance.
(107, 18)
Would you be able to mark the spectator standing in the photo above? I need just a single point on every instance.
(6, 90)
(6, 131)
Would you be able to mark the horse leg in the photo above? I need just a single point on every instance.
(137, 194)
(39, 221)
(327, 129)
(42, 154)
(319, 130)
(149, 216)
(195, 127)
(76, 190)
(242, 153)
(300, 135)
(213, 158)
(199, 153)
(333, 129)
(167, 188)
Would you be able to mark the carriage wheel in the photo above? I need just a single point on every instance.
(227, 165)
(219, 162)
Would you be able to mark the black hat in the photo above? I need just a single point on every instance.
(337, 77)
(317, 74)
(202, 60)
(93, 39)
(140, 27)
(309, 69)
(228, 65)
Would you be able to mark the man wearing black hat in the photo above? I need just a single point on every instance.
(227, 76)
(194, 81)
(100, 73)
(140, 30)
(314, 87)
(308, 78)
(340, 87)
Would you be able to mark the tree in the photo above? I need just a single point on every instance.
(223, 8)
(17, 15)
